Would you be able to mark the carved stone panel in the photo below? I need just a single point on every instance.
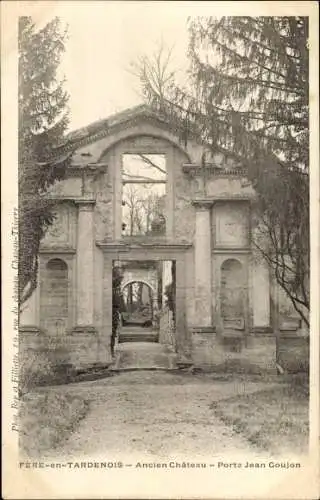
(231, 224)
(67, 187)
(63, 230)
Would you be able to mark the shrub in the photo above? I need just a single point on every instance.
(43, 364)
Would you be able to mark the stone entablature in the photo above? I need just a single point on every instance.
(196, 170)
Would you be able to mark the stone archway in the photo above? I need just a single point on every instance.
(139, 303)
(138, 280)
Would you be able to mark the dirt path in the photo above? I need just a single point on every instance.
(154, 415)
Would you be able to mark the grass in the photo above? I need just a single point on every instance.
(47, 419)
(275, 419)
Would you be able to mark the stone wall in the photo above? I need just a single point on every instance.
(179, 211)
(221, 226)
(183, 189)
(230, 224)
(104, 189)
(69, 187)
(54, 299)
(63, 232)
(84, 347)
(260, 291)
(239, 287)
(166, 328)
(228, 185)
(251, 354)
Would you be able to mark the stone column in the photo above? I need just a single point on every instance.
(203, 258)
(85, 270)
(260, 294)
(84, 341)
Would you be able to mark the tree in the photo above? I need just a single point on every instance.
(143, 210)
(247, 96)
(43, 119)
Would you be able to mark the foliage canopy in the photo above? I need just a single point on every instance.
(43, 119)
(247, 96)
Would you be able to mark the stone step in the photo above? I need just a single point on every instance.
(131, 337)
(144, 356)
(138, 334)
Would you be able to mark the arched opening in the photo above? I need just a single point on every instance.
(138, 305)
(144, 180)
(143, 303)
(54, 297)
(233, 291)
(144, 136)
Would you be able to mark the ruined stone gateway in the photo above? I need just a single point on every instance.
(200, 219)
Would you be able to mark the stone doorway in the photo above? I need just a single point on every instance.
(115, 253)
(144, 298)
(143, 301)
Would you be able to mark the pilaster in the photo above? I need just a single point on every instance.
(85, 264)
(203, 263)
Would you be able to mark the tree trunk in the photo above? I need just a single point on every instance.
(139, 299)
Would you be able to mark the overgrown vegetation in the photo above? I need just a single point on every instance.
(46, 365)
(247, 95)
(276, 419)
(43, 119)
(47, 419)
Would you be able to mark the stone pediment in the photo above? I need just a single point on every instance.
(83, 144)
(91, 143)
(87, 145)
(108, 124)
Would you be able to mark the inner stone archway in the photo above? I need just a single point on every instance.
(138, 304)
(144, 300)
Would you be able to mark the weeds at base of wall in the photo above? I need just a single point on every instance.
(281, 411)
(41, 366)
(47, 419)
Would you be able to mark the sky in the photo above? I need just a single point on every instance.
(106, 36)
(104, 39)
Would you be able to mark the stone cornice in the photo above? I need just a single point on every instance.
(77, 200)
(202, 204)
(89, 168)
(208, 202)
(126, 247)
(85, 202)
(57, 250)
(233, 197)
(196, 170)
(231, 250)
